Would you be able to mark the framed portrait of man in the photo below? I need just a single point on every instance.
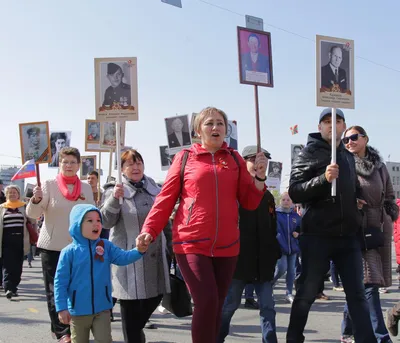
(88, 164)
(274, 175)
(178, 133)
(255, 57)
(35, 142)
(58, 140)
(193, 134)
(108, 137)
(335, 72)
(92, 136)
(29, 190)
(295, 150)
(165, 158)
(231, 135)
(116, 89)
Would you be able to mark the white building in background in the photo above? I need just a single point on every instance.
(7, 172)
(394, 172)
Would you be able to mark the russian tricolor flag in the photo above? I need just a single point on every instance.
(27, 170)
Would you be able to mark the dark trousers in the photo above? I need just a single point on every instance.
(375, 310)
(13, 259)
(316, 254)
(134, 316)
(1, 271)
(334, 275)
(208, 280)
(49, 267)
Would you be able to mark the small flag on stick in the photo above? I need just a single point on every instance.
(294, 129)
(27, 170)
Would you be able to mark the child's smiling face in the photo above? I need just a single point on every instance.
(91, 225)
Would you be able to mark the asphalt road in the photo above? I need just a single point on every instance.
(25, 319)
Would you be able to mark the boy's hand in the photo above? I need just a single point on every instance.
(64, 317)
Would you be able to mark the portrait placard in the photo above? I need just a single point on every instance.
(35, 142)
(231, 136)
(295, 151)
(58, 140)
(108, 138)
(193, 134)
(29, 190)
(88, 164)
(165, 159)
(92, 136)
(178, 133)
(335, 72)
(274, 175)
(116, 89)
(255, 57)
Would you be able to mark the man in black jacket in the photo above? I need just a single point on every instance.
(259, 251)
(329, 226)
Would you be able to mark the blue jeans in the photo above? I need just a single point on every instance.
(334, 275)
(316, 253)
(31, 253)
(286, 264)
(249, 291)
(375, 310)
(267, 309)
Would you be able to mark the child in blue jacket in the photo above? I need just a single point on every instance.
(82, 285)
(288, 227)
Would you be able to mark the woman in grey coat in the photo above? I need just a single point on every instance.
(141, 285)
(380, 211)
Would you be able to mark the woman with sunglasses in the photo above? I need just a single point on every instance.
(379, 211)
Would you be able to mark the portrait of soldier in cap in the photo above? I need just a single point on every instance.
(118, 92)
(35, 142)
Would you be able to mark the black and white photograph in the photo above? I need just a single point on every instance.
(193, 135)
(58, 140)
(29, 190)
(275, 170)
(125, 148)
(35, 142)
(116, 89)
(178, 132)
(164, 157)
(335, 72)
(88, 164)
(231, 136)
(295, 151)
(92, 136)
(108, 137)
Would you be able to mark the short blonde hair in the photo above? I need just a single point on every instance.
(204, 114)
(10, 187)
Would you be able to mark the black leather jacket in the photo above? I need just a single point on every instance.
(325, 215)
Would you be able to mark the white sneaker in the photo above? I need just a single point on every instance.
(162, 309)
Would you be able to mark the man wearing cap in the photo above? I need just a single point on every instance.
(328, 227)
(259, 252)
(119, 92)
(34, 143)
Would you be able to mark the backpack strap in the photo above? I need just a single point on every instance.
(183, 165)
(235, 158)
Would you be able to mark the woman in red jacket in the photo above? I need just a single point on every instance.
(205, 230)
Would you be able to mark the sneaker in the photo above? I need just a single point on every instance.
(347, 339)
(391, 323)
(251, 303)
(338, 289)
(383, 290)
(162, 309)
(289, 298)
(322, 296)
(9, 295)
(150, 325)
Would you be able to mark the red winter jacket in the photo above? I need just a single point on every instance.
(206, 221)
(396, 235)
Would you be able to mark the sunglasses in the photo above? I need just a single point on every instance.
(353, 138)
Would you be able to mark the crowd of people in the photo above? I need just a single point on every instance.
(226, 234)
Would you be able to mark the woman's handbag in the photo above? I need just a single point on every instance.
(33, 234)
(373, 237)
(178, 302)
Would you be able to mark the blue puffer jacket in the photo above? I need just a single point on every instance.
(83, 283)
(287, 224)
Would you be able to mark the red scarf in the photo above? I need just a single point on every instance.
(63, 181)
